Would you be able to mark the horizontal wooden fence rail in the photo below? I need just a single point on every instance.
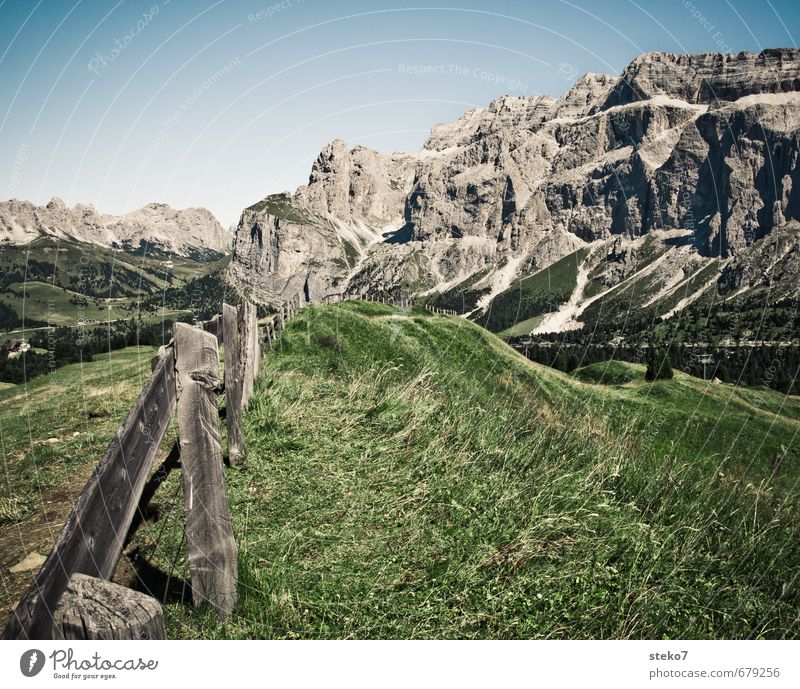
(214, 326)
(71, 596)
(92, 539)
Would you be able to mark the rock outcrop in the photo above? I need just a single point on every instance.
(699, 152)
(312, 240)
(706, 77)
(193, 232)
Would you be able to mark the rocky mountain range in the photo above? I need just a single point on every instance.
(675, 181)
(193, 232)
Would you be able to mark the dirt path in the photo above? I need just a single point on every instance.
(35, 535)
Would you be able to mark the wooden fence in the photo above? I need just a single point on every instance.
(397, 302)
(72, 596)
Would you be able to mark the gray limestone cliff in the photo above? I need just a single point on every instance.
(697, 152)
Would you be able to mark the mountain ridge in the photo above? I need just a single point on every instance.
(697, 152)
(191, 232)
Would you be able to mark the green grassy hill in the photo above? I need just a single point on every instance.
(410, 475)
(610, 373)
(58, 425)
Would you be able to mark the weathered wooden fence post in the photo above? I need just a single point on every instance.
(255, 346)
(242, 323)
(233, 385)
(268, 335)
(245, 325)
(211, 547)
(93, 608)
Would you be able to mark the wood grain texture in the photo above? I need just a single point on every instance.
(233, 386)
(212, 550)
(255, 344)
(93, 608)
(92, 539)
(246, 353)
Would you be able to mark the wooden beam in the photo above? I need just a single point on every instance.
(233, 386)
(267, 335)
(212, 549)
(255, 345)
(93, 608)
(93, 536)
(246, 322)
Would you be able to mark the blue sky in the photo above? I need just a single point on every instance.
(217, 103)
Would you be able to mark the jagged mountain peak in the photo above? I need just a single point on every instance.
(587, 92)
(56, 203)
(506, 112)
(707, 77)
(689, 158)
(333, 149)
